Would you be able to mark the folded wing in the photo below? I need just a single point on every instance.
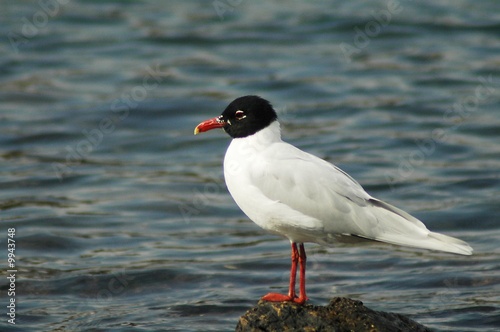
(322, 191)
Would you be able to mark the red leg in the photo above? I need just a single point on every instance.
(293, 271)
(302, 288)
(300, 258)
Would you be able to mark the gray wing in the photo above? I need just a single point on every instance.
(323, 191)
(313, 187)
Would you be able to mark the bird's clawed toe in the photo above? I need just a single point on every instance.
(276, 297)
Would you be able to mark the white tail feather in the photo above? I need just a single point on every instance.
(399, 227)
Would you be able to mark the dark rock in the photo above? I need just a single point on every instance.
(341, 314)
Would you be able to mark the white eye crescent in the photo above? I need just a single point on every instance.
(239, 115)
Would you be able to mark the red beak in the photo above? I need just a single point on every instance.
(209, 125)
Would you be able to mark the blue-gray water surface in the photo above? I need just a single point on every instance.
(120, 216)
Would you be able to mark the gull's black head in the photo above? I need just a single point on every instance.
(246, 115)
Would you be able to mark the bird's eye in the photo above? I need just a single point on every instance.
(240, 115)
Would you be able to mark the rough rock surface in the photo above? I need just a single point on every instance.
(341, 314)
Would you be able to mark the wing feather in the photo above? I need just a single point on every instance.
(311, 186)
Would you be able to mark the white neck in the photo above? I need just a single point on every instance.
(264, 137)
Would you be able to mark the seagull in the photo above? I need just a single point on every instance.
(292, 193)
